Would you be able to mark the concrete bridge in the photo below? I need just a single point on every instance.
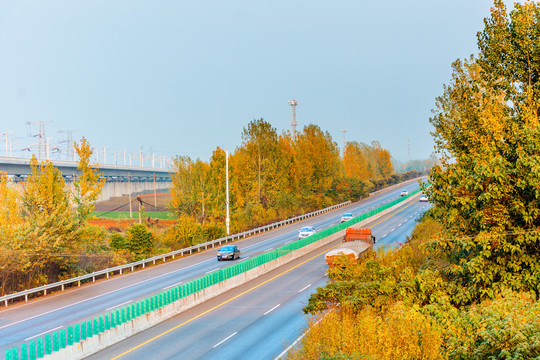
(120, 179)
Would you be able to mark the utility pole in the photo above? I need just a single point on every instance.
(155, 196)
(129, 191)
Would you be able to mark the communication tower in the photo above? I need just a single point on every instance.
(293, 103)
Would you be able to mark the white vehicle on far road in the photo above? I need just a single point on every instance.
(404, 193)
(306, 231)
(346, 217)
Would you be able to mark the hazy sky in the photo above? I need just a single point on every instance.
(182, 77)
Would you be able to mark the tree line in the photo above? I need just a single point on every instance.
(274, 176)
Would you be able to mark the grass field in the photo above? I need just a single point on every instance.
(125, 215)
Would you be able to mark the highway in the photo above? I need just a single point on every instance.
(257, 320)
(27, 321)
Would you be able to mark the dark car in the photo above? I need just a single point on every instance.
(228, 253)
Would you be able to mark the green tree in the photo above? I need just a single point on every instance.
(487, 188)
(139, 240)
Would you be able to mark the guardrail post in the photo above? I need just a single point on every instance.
(8, 354)
(15, 353)
(96, 326)
(107, 321)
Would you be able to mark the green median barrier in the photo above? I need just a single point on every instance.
(124, 317)
(147, 306)
(89, 332)
(76, 333)
(113, 319)
(24, 352)
(62, 334)
(107, 321)
(69, 338)
(101, 323)
(32, 353)
(48, 345)
(8, 354)
(15, 353)
(96, 326)
(118, 317)
(83, 330)
(40, 348)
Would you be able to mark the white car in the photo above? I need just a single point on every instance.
(306, 231)
(423, 198)
(404, 193)
(346, 217)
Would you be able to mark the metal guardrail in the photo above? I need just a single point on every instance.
(163, 257)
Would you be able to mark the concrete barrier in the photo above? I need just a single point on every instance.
(107, 338)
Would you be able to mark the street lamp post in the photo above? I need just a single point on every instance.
(227, 219)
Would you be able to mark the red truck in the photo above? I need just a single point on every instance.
(355, 243)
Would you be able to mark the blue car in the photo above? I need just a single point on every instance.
(229, 252)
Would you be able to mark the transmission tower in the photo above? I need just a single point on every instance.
(293, 103)
(42, 141)
(70, 151)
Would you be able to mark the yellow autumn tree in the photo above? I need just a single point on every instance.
(355, 164)
(88, 184)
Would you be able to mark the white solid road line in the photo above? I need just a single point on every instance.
(272, 309)
(124, 303)
(56, 328)
(211, 271)
(304, 288)
(222, 341)
(173, 285)
(268, 249)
